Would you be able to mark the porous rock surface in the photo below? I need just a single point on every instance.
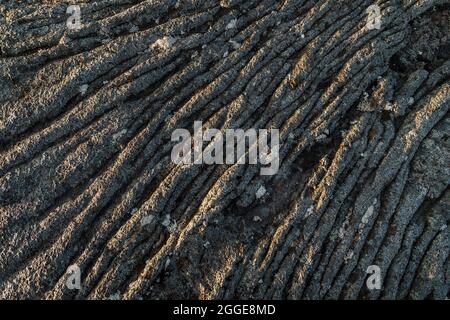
(86, 178)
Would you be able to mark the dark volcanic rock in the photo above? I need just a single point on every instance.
(86, 178)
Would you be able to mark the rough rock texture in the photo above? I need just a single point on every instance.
(86, 179)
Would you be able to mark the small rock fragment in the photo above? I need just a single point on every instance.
(235, 44)
(231, 24)
(367, 215)
(164, 43)
(257, 218)
(309, 211)
(146, 220)
(260, 192)
(83, 89)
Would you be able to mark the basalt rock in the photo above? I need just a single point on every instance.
(86, 178)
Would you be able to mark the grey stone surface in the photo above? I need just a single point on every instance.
(86, 178)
